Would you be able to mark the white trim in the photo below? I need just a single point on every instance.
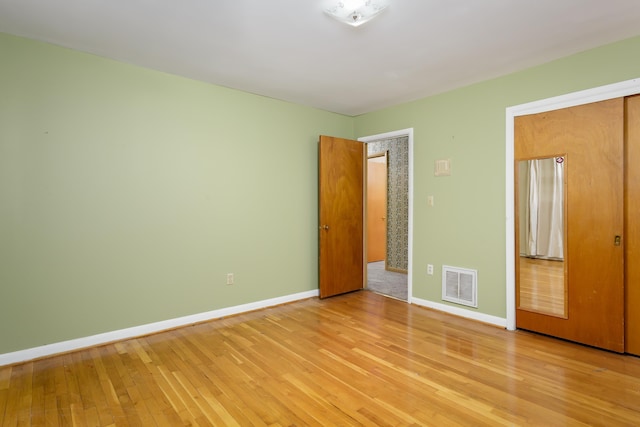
(461, 312)
(616, 90)
(150, 328)
(409, 134)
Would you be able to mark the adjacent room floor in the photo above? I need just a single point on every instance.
(385, 282)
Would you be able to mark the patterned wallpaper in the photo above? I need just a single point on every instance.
(397, 199)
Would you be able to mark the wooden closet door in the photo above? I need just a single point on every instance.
(591, 139)
(632, 226)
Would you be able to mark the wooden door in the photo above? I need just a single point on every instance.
(341, 215)
(632, 226)
(377, 209)
(591, 139)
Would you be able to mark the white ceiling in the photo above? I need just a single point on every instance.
(291, 50)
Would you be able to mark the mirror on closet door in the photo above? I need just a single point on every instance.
(542, 282)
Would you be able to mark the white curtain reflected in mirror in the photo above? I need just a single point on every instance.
(541, 282)
(543, 231)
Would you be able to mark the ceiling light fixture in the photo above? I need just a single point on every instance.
(355, 12)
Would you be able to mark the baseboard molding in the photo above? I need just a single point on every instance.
(137, 331)
(473, 315)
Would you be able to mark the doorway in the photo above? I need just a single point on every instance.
(389, 269)
(341, 169)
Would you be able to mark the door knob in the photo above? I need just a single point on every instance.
(324, 227)
(616, 241)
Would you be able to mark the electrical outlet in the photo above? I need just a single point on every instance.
(430, 269)
(229, 278)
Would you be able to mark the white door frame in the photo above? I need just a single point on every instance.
(616, 90)
(409, 134)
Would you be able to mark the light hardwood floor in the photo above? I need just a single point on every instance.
(356, 359)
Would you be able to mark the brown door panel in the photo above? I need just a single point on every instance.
(341, 215)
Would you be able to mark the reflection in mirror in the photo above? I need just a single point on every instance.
(541, 280)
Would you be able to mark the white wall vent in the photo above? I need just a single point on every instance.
(460, 285)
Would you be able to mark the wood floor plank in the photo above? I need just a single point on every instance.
(5, 380)
(356, 359)
(19, 398)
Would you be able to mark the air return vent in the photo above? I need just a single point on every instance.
(460, 285)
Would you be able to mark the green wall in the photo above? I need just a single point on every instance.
(466, 225)
(127, 195)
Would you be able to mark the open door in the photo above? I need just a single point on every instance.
(377, 208)
(341, 215)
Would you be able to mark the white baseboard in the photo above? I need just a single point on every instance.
(469, 314)
(137, 331)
